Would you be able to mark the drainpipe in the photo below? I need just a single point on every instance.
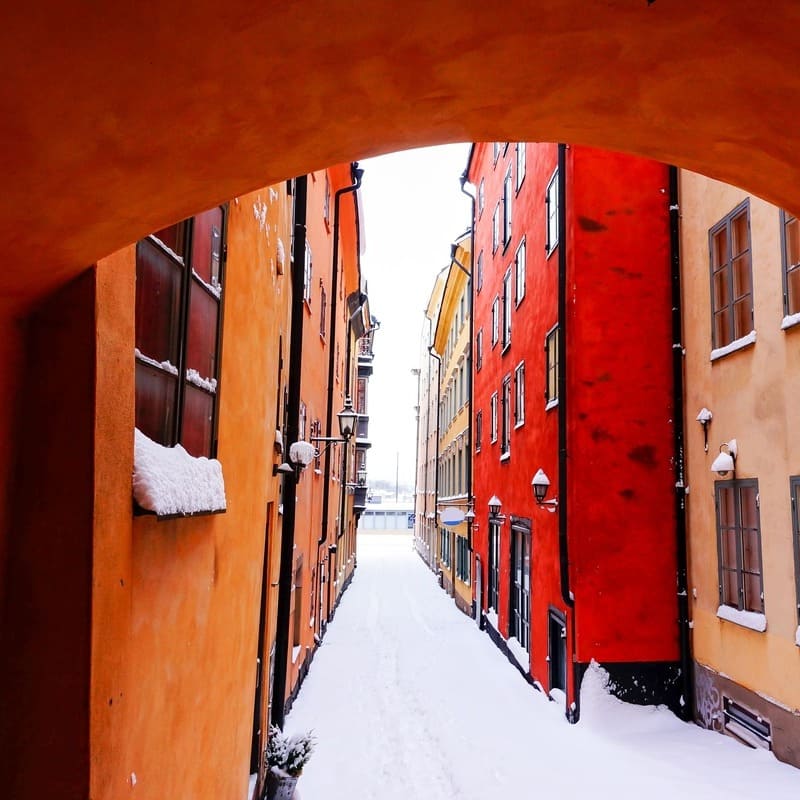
(356, 175)
(416, 372)
(427, 450)
(292, 433)
(463, 181)
(574, 711)
(687, 669)
(434, 354)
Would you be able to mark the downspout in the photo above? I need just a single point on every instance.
(292, 433)
(468, 273)
(356, 174)
(427, 449)
(687, 668)
(463, 181)
(574, 711)
(433, 354)
(417, 372)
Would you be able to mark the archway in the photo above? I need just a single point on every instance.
(117, 124)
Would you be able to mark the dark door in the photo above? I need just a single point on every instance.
(558, 651)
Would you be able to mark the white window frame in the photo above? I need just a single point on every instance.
(552, 213)
(493, 419)
(519, 395)
(507, 302)
(495, 320)
(520, 266)
(520, 158)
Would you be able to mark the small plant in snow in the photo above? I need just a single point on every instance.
(289, 754)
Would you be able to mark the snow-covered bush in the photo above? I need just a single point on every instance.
(289, 753)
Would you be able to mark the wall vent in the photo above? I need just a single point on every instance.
(746, 725)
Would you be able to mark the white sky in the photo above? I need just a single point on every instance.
(413, 211)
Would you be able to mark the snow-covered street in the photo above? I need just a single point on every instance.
(410, 700)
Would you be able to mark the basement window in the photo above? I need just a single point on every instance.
(746, 726)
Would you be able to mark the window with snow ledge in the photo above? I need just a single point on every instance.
(736, 344)
(168, 482)
(179, 277)
(747, 619)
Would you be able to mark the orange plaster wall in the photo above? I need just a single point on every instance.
(175, 646)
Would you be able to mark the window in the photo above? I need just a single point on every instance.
(481, 197)
(479, 350)
(495, 320)
(307, 268)
(326, 210)
(462, 559)
(731, 277)
(551, 367)
(507, 309)
(794, 484)
(519, 395)
(790, 246)
(478, 431)
(444, 546)
(495, 151)
(493, 428)
(303, 416)
(323, 310)
(179, 272)
(519, 269)
(505, 405)
(739, 545)
(494, 565)
(508, 194)
(521, 584)
(479, 278)
(520, 164)
(551, 201)
(496, 227)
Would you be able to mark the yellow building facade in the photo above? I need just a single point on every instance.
(451, 343)
(741, 296)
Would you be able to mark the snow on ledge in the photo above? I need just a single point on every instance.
(790, 321)
(747, 619)
(736, 344)
(170, 482)
(491, 618)
(797, 636)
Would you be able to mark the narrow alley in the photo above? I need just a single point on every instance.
(408, 699)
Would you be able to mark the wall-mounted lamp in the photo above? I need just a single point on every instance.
(704, 418)
(725, 462)
(540, 484)
(347, 424)
(495, 505)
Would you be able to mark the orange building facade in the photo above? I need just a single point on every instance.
(139, 638)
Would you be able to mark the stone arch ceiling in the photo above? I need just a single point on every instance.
(118, 119)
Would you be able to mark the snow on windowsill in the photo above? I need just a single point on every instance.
(168, 482)
(736, 344)
(551, 404)
(506, 456)
(797, 636)
(790, 321)
(747, 619)
(520, 654)
(296, 652)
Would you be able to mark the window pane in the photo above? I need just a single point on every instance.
(725, 498)
(198, 414)
(742, 317)
(752, 593)
(719, 249)
(750, 548)
(730, 589)
(158, 284)
(740, 236)
(748, 495)
(201, 351)
(792, 242)
(174, 237)
(207, 245)
(722, 327)
(793, 290)
(741, 275)
(728, 547)
(722, 295)
(155, 403)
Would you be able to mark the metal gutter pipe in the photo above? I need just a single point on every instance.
(356, 175)
(573, 713)
(687, 669)
(433, 354)
(292, 433)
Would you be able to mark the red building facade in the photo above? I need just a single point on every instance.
(571, 255)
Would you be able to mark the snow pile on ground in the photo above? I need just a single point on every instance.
(410, 701)
(167, 480)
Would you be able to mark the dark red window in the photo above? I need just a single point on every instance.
(178, 310)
